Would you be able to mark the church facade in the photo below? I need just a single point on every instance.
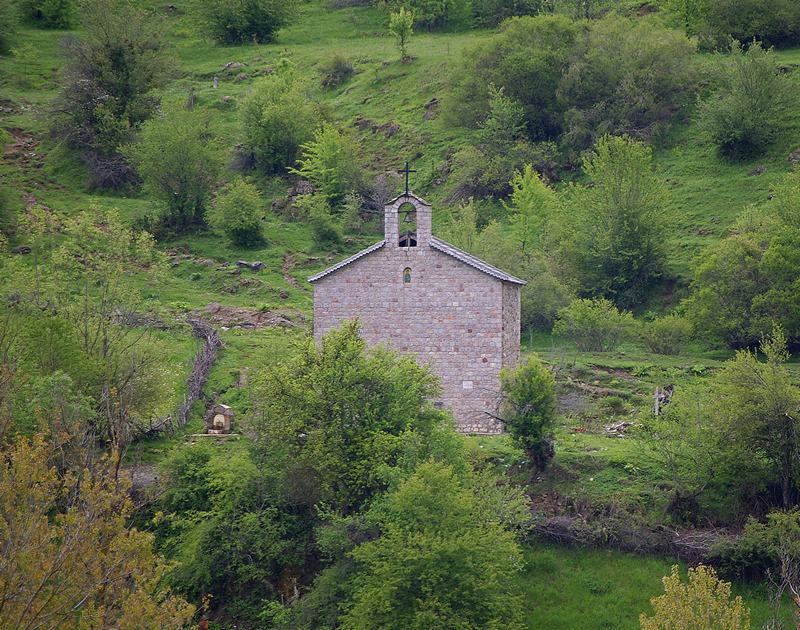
(418, 294)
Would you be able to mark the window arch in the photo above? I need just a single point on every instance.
(407, 276)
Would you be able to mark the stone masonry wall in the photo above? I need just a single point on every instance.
(450, 315)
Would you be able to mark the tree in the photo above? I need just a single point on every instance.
(107, 86)
(436, 14)
(439, 562)
(69, 558)
(666, 335)
(277, 119)
(703, 604)
(401, 25)
(594, 325)
(180, 163)
(48, 13)
(246, 21)
(760, 404)
(610, 239)
(8, 26)
(237, 211)
(772, 22)
(529, 409)
(494, 12)
(532, 206)
(330, 162)
(752, 105)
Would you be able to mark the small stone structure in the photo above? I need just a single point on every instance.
(219, 419)
(419, 294)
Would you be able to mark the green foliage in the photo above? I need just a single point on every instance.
(107, 86)
(330, 162)
(440, 561)
(610, 238)
(180, 162)
(667, 335)
(336, 71)
(277, 119)
(529, 409)
(8, 26)
(246, 21)
(634, 88)
(752, 105)
(324, 227)
(526, 60)
(48, 13)
(436, 14)
(237, 211)
(401, 25)
(493, 12)
(594, 325)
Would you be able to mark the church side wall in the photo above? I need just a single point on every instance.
(450, 316)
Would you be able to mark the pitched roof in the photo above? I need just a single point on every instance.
(439, 245)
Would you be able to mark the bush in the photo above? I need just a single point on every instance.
(529, 409)
(180, 163)
(773, 22)
(323, 226)
(277, 118)
(237, 211)
(330, 162)
(635, 88)
(752, 105)
(704, 603)
(667, 335)
(336, 71)
(48, 13)
(107, 87)
(493, 12)
(594, 325)
(246, 21)
(8, 26)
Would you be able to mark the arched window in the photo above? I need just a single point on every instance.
(407, 217)
(407, 275)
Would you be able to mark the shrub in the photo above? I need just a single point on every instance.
(277, 118)
(633, 88)
(436, 14)
(8, 26)
(493, 12)
(323, 226)
(237, 211)
(48, 13)
(244, 21)
(401, 25)
(107, 87)
(752, 105)
(336, 71)
(703, 604)
(666, 335)
(330, 162)
(529, 409)
(594, 325)
(773, 22)
(180, 163)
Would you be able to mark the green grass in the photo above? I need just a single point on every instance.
(580, 589)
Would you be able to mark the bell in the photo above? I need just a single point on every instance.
(409, 218)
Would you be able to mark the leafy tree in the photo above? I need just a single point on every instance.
(401, 25)
(610, 239)
(440, 562)
(493, 12)
(772, 22)
(762, 407)
(594, 325)
(180, 162)
(529, 409)
(752, 105)
(667, 335)
(526, 60)
(532, 205)
(69, 558)
(8, 26)
(330, 162)
(48, 13)
(635, 88)
(246, 21)
(277, 119)
(436, 14)
(237, 211)
(703, 603)
(106, 88)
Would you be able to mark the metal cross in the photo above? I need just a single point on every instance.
(407, 171)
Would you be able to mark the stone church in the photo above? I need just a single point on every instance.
(417, 294)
